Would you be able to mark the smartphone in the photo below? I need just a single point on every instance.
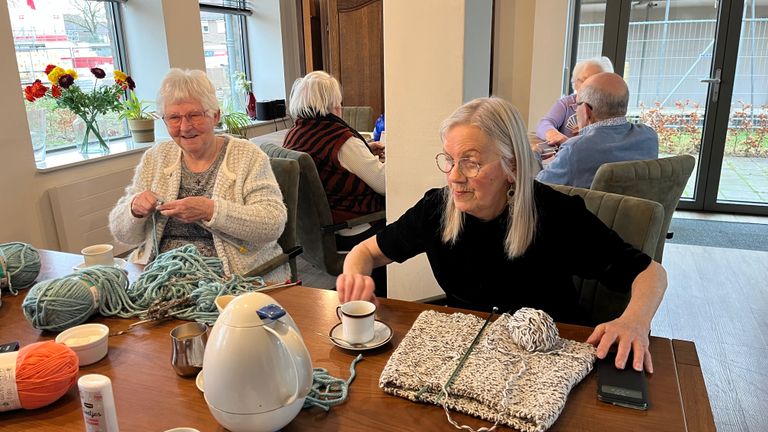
(623, 387)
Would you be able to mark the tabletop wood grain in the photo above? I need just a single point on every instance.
(149, 396)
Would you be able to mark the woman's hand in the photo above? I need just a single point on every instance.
(629, 335)
(144, 204)
(188, 210)
(554, 137)
(377, 148)
(355, 286)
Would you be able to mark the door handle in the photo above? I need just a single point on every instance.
(715, 81)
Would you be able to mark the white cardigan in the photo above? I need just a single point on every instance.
(248, 206)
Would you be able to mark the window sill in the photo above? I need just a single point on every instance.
(58, 160)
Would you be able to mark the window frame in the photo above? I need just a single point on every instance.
(241, 8)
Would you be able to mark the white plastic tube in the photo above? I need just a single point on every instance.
(97, 403)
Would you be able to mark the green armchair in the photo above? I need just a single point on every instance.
(637, 221)
(661, 180)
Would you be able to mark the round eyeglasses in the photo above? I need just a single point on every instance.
(195, 118)
(467, 167)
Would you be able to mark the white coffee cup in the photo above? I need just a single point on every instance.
(357, 319)
(100, 254)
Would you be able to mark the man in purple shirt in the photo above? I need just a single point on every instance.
(605, 135)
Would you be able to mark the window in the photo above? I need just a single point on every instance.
(225, 48)
(73, 34)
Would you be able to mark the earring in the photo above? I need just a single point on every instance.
(511, 195)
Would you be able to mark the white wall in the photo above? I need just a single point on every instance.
(529, 45)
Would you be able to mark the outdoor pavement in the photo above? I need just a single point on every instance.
(742, 179)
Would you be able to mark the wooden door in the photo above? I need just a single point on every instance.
(355, 51)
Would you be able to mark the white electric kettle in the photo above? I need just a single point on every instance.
(257, 370)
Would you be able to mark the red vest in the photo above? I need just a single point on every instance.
(348, 195)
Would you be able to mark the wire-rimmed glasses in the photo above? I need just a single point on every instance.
(468, 167)
(195, 118)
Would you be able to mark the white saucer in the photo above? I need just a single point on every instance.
(382, 334)
(199, 381)
(117, 263)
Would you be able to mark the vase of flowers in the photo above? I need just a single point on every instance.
(250, 98)
(87, 105)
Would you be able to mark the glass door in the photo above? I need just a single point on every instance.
(744, 172)
(669, 50)
(696, 74)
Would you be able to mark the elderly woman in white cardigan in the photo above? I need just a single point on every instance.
(216, 192)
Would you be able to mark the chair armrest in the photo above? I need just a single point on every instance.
(275, 262)
(372, 217)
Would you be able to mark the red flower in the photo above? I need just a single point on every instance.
(98, 72)
(49, 68)
(29, 94)
(56, 91)
(130, 82)
(35, 91)
(66, 80)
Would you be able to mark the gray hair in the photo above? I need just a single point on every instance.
(317, 93)
(500, 121)
(606, 103)
(180, 85)
(603, 63)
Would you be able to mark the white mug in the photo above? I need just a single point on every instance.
(357, 319)
(100, 254)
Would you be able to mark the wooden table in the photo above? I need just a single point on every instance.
(151, 397)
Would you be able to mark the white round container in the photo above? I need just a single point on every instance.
(88, 341)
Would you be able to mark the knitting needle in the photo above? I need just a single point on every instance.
(280, 285)
(463, 359)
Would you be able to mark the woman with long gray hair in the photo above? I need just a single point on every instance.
(496, 237)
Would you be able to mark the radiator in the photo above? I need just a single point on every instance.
(81, 210)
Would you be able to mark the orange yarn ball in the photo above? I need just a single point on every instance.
(44, 372)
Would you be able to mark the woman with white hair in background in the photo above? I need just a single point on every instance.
(496, 237)
(560, 122)
(349, 168)
(216, 192)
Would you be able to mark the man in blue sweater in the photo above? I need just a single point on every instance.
(605, 135)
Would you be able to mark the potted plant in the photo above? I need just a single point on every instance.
(141, 121)
(232, 121)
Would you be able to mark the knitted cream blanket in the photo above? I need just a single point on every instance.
(500, 381)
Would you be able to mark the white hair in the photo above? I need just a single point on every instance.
(500, 121)
(188, 84)
(316, 94)
(603, 63)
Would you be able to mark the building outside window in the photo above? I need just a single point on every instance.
(225, 48)
(73, 34)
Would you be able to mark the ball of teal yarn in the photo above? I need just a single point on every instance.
(22, 262)
(58, 304)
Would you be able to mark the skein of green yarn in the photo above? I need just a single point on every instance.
(58, 304)
(19, 265)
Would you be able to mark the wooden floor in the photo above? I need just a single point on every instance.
(717, 298)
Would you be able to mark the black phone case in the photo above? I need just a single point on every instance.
(624, 387)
